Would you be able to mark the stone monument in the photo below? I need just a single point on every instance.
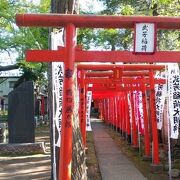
(21, 124)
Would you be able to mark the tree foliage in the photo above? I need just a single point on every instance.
(123, 39)
(15, 41)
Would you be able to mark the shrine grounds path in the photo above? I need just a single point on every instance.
(117, 160)
(114, 165)
(31, 167)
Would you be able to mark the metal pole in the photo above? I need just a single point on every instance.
(168, 124)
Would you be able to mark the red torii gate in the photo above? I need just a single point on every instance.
(70, 55)
(85, 21)
(117, 80)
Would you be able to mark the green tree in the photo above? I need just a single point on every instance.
(15, 41)
(123, 39)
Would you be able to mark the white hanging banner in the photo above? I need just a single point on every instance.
(57, 75)
(130, 107)
(88, 110)
(57, 88)
(174, 99)
(139, 111)
(57, 85)
(141, 115)
(145, 38)
(160, 95)
(135, 107)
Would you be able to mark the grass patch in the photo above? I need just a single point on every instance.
(92, 162)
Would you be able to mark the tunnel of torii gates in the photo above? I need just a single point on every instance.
(114, 83)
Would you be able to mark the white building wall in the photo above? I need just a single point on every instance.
(5, 88)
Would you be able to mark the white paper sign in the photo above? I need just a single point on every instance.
(88, 109)
(174, 98)
(57, 73)
(160, 95)
(144, 38)
(57, 87)
(130, 107)
(139, 110)
(57, 76)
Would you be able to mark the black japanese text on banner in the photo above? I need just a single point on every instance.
(57, 83)
(160, 94)
(57, 95)
(88, 109)
(174, 98)
(139, 110)
(145, 38)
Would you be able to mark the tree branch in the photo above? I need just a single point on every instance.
(9, 67)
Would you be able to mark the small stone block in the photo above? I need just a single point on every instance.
(22, 148)
(175, 173)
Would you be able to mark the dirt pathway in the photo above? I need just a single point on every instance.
(32, 167)
(25, 168)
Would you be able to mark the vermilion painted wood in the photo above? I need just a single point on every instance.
(134, 127)
(113, 111)
(110, 103)
(60, 20)
(68, 106)
(82, 106)
(45, 55)
(146, 123)
(113, 90)
(127, 67)
(114, 99)
(128, 129)
(123, 114)
(100, 90)
(110, 73)
(102, 80)
(102, 110)
(153, 120)
(102, 56)
(119, 111)
(99, 74)
(106, 108)
(127, 56)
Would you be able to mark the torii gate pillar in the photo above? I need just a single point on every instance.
(68, 105)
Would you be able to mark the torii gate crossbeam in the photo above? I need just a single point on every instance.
(102, 56)
(86, 21)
